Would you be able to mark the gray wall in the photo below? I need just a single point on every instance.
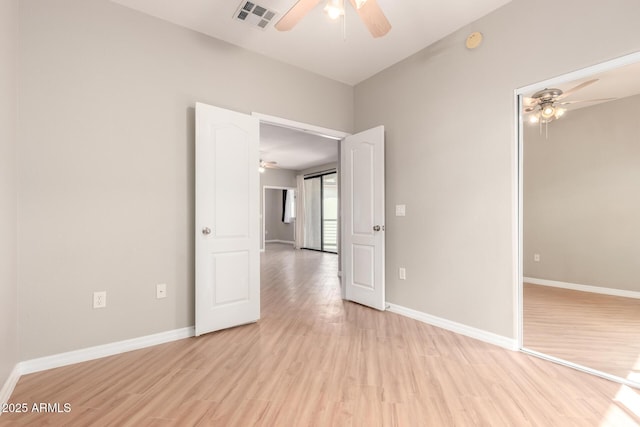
(278, 178)
(275, 228)
(275, 178)
(105, 161)
(106, 190)
(8, 197)
(450, 148)
(581, 204)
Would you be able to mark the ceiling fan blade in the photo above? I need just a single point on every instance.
(587, 100)
(269, 164)
(529, 102)
(295, 14)
(373, 17)
(577, 88)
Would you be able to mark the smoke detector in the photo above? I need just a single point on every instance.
(255, 15)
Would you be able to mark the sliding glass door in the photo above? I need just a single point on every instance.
(313, 213)
(330, 213)
(321, 212)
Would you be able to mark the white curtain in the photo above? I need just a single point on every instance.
(288, 206)
(300, 212)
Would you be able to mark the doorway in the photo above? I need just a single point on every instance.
(227, 195)
(305, 160)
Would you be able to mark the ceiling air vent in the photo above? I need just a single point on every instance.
(255, 15)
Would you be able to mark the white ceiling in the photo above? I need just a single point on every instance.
(295, 150)
(316, 43)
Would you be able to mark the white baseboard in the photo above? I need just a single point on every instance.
(9, 385)
(288, 242)
(97, 352)
(459, 328)
(583, 288)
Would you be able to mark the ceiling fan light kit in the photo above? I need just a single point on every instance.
(547, 111)
(368, 10)
(334, 8)
(546, 105)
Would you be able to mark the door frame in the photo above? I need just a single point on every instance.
(264, 196)
(517, 180)
(335, 134)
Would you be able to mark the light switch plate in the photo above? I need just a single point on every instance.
(161, 290)
(401, 210)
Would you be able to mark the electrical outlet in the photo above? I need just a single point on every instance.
(402, 273)
(100, 299)
(161, 290)
(536, 257)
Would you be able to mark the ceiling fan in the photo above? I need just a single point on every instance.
(545, 105)
(267, 165)
(368, 10)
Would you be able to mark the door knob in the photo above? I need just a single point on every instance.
(376, 228)
(206, 231)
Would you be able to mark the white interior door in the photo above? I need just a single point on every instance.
(227, 219)
(362, 175)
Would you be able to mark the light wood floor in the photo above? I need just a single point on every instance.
(316, 360)
(598, 331)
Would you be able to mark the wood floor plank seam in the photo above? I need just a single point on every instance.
(598, 331)
(315, 360)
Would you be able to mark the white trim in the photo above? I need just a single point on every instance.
(459, 328)
(582, 368)
(97, 352)
(582, 73)
(9, 385)
(517, 227)
(583, 288)
(304, 127)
